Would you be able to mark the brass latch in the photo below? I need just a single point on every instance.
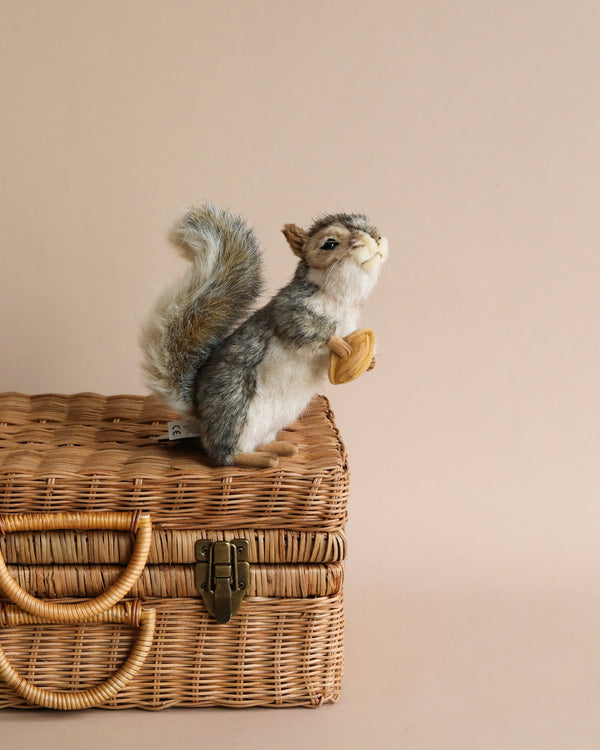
(222, 575)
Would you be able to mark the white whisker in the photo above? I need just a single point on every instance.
(392, 277)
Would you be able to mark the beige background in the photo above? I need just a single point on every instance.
(469, 132)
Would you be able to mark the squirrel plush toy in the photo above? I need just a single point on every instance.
(246, 378)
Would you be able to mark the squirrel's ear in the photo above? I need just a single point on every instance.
(295, 237)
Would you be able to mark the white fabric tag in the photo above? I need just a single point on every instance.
(184, 428)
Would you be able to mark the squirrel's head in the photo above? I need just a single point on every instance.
(336, 237)
(344, 245)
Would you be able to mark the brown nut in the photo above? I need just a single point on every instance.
(344, 370)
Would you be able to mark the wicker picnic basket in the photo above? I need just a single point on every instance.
(134, 574)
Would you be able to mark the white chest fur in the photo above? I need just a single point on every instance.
(345, 314)
(286, 380)
(341, 295)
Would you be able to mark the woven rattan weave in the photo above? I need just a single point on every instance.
(98, 530)
(99, 453)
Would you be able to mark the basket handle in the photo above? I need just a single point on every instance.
(77, 611)
(69, 701)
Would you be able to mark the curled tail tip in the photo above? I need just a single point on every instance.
(189, 232)
(207, 228)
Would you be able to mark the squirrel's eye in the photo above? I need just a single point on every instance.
(329, 244)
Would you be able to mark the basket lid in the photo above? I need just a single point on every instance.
(88, 452)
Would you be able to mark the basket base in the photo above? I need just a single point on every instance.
(275, 652)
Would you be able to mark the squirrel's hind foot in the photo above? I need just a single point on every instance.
(256, 460)
(267, 456)
(283, 448)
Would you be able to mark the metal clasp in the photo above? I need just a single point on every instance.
(222, 575)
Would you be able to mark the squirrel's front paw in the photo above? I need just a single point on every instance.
(341, 347)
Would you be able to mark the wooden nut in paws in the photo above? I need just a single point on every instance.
(344, 369)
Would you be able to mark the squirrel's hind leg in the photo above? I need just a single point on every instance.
(280, 448)
(256, 460)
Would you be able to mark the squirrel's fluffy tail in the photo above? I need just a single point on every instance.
(194, 316)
